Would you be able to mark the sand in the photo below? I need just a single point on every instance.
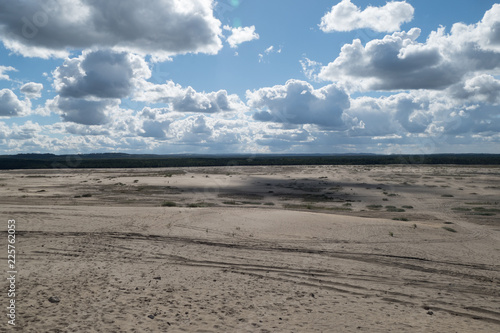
(255, 249)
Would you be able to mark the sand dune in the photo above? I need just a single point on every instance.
(256, 249)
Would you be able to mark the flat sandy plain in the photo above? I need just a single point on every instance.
(255, 249)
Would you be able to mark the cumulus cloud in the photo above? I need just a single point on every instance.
(102, 73)
(346, 16)
(240, 35)
(83, 111)
(386, 65)
(297, 102)
(158, 27)
(4, 69)
(400, 62)
(484, 88)
(187, 99)
(85, 130)
(32, 90)
(26, 131)
(11, 106)
(392, 115)
(438, 116)
(155, 123)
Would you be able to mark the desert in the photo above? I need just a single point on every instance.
(393, 248)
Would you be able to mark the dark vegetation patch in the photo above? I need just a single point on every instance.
(313, 207)
(121, 160)
(241, 196)
(200, 204)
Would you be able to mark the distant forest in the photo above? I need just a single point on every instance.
(119, 160)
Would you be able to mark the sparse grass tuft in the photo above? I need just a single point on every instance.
(481, 203)
(401, 219)
(168, 204)
(269, 203)
(461, 209)
(487, 210)
(391, 234)
(241, 196)
(313, 207)
(86, 195)
(449, 229)
(170, 173)
(394, 209)
(200, 205)
(482, 213)
(407, 207)
(374, 206)
(447, 195)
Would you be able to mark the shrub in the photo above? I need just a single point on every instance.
(394, 209)
(168, 204)
(449, 229)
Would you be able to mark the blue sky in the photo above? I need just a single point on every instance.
(249, 76)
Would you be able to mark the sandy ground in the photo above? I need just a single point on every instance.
(255, 249)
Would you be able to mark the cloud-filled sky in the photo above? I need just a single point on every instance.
(249, 76)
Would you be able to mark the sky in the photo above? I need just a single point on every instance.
(249, 76)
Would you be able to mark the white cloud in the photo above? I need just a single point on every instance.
(158, 27)
(85, 130)
(155, 123)
(187, 99)
(297, 102)
(310, 68)
(241, 35)
(11, 106)
(28, 130)
(102, 73)
(32, 90)
(267, 52)
(481, 88)
(83, 111)
(346, 16)
(4, 69)
(399, 114)
(399, 62)
(438, 116)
